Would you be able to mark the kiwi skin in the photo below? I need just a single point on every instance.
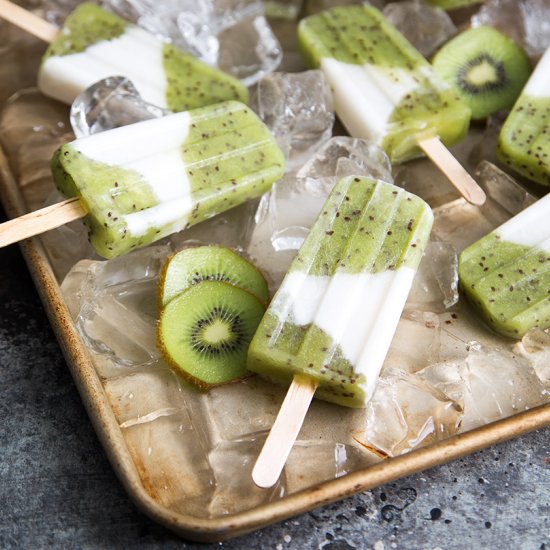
(236, 365)
(218, 254)
(491, 53)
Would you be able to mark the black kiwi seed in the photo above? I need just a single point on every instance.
(486, 69)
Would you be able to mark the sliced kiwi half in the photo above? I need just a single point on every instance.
(486, 68)
(209, 263)
(205, 331)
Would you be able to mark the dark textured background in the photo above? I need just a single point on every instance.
(58, 490)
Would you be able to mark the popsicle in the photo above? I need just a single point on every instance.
(385, 91)
(524, 140)
(330, 324)
(506, 274)
(138, 183)
(95, 44)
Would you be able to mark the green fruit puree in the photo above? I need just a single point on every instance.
(508, 283)
(524, 141)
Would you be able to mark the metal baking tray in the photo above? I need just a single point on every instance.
(225, 526)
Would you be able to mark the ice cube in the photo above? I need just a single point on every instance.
(282, 222)
(416, 342)
(232, 34)
(426, 27)
(110, 103)
(536, 24)
(145, 394)
(249, 50)
(346, 156)
(461, 223)
(435, 286)
(232, 463)
(405, 413)
(117, 307)
(534, 347)
(299, 110)
(491, 384)
(503, 188)
(241, 409)
(171, 459)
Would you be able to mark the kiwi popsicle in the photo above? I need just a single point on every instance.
(141, 182)
(334, 316)
(524, 140)
(506, 274)
(95, 44)
(384, 89)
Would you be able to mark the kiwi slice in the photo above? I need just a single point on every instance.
(209, 263)
(486, 68)
(205, 331)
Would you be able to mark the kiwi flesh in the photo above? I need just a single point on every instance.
(486, 68)
(205, 331)
(209, 263)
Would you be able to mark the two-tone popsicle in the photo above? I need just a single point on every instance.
(138, 183)
(95, 44)
(330, 324)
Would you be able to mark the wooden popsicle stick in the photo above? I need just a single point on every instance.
(284, 432)
(27, 21)
(40, 221)
(458, 176)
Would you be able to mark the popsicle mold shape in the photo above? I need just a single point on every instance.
(506, 274)
(524, 140)
(384, 89)
(334, 316)
(147, 180)
(95, 44)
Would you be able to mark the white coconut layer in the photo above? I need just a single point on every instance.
(538, 84)
(135, 54)
(365, 96)
(153, 149)
(530, 227)
(360, 312)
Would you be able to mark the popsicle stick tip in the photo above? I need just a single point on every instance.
(27, 21)
(283, 434)
(455, 172)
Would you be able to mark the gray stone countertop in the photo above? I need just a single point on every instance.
(58, 490)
